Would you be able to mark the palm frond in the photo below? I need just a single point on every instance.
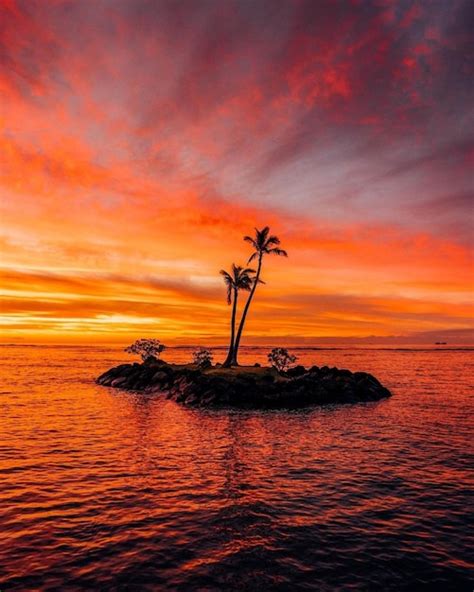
(250, 240)
(261, 237)
(272, 240)
(252, 257)
(236, 270)
(229, 282)
(276, 251)
(244, 280)
(227, 277)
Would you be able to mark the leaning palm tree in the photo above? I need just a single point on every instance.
(239, 279)
(263, 244)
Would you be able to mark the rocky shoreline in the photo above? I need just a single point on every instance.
(246, 387)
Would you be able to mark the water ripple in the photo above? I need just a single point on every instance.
(107, 490)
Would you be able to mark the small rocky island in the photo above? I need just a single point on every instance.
(246, 387)
(279, 386)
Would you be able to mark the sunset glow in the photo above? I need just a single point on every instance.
(140, 141)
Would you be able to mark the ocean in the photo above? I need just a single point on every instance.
(102, 489)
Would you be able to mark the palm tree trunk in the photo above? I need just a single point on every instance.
(230, 353)
(235, 349)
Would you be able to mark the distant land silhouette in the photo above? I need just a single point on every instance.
(452, 337)
(449, 337)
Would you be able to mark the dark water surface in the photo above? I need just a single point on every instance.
(107, 490)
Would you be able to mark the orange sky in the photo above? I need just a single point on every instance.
(139, 142)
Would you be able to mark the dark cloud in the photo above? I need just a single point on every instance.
(243, 93)
(453, 214)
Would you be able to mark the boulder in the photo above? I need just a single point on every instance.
(296, 371)
(117, 382)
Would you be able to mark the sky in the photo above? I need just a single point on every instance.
(141, 140)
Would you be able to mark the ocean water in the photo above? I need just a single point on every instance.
(102, 489)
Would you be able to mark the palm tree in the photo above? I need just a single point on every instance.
(238, 279)
(263, 244)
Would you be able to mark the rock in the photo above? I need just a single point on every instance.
(296, 371)
(247, 389)
(116, 382)
(159, 377)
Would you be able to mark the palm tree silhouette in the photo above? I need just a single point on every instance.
(263, 244)
(238, 279)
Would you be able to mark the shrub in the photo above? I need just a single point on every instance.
(202, 358)
(148, 349)
(281, 359)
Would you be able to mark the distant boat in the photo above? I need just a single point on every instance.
(440, 343)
